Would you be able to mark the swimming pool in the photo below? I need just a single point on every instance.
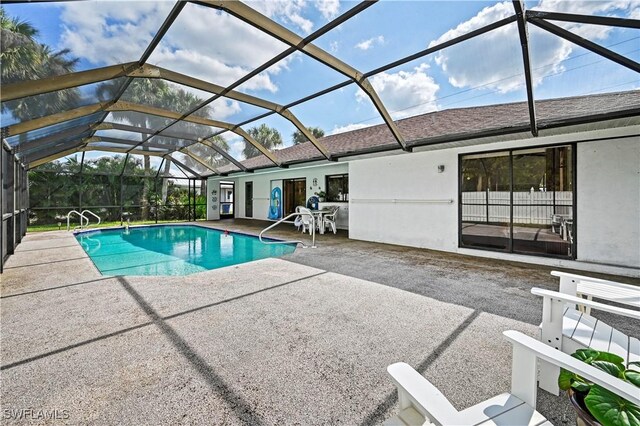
(172, 249)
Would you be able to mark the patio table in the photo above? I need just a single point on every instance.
(318, 217)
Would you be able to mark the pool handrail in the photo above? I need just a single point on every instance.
(79, 214)
(92, 214)
(284, 219)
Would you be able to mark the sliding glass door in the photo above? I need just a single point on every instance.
(519, 201)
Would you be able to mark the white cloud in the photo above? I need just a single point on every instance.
(236, 144)
(334, 46)
(223, 108)
(347, 128)
(202, 42)
(369, 43)
(328, 8)
(494, 60)
(591, 32)
(286, 11)
(494, 56)
(305, 25)
(405, 93)
(106, 35)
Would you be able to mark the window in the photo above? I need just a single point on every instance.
(337, 188)
(519, 201)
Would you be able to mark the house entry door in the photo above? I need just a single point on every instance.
(248, 199)
(295, 194)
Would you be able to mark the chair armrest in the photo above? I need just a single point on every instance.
(592, 280)
(559, 358)
(585, 302)
(602, 289)
(561, 274)
(425, 397)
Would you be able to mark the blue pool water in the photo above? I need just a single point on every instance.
(172, 249)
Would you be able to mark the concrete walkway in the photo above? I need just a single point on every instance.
(303, 339)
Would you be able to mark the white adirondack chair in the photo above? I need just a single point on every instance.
(421, 403)
(567, 324)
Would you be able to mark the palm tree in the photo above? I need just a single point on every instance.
(267, 136)
(298, 137)
(22, 58)
(158, 93)
(18, 54)
(208, 154)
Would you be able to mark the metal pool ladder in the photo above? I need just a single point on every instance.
(84, 220)
(284, 219)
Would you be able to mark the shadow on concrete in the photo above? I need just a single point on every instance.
(45, 263)
(55, 288)
(46, 248)
(381, 412)
(241, 408)
(136, 327)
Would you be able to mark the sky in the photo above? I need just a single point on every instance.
(216, 47)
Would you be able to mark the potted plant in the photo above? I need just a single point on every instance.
(594, 404)
(321, 195)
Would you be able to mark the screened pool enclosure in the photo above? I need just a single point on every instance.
(139, 102)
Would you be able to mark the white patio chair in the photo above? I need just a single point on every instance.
(306, 218)
(421, 403)
(567, 324)
(329, 219)
(297, 222)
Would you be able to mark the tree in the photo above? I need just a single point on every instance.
(23, 58)
(156, 93)
(266, 136)
(298, 137)
(209, 155)
(19, 53)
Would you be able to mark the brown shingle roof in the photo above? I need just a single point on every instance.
(468, 122)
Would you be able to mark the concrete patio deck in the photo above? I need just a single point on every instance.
(304, 339)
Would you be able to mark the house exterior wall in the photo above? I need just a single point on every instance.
(404, 200)
(609, 202)
(262, 189)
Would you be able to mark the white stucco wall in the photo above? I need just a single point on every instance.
(608, 201)
(403, 199)
(262, 187)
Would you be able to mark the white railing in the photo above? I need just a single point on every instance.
(92, 214)
(530, 207)
(82, 217)
(283, 220)
(84, 220)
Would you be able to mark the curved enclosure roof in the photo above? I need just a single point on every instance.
(217, 87)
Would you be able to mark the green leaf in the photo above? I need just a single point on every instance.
(632, 376)
(581, 386)
(610, 409)
(565, 379)
(609, 367)
(608, 356)
(586, 355)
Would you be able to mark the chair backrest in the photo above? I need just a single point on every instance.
(305, 215)
(334, 212)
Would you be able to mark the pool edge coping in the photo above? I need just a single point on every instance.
(154, 225)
